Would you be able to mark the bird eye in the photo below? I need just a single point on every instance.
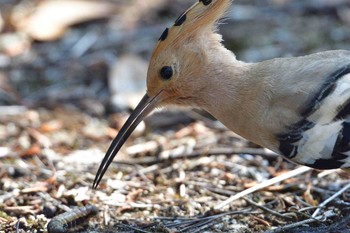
(166, 72)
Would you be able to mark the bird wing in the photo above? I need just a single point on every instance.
(319, 135)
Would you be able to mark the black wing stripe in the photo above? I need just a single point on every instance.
(343, 111)
(340, 150)
(326, 89)
(288, 140)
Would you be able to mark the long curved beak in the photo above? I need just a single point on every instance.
(146, 105)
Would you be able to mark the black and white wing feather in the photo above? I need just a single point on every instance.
(321, 139)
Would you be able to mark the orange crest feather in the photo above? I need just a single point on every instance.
(201, 17)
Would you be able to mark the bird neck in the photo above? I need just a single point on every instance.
(231, 94)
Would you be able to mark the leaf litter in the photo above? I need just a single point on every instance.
(179, 170)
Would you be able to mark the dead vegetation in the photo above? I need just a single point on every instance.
(63, 100)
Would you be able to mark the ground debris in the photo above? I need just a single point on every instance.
(57, 118)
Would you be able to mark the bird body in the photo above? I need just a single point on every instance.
(281, 105)
(298, 107)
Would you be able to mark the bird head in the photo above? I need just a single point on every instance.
(177, 69)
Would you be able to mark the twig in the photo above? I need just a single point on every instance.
(133, 228)
(297, 224)
(200, 227)
(168, 155)
(185, 222)
(211, 220)
(335, 195)
(171, 218)
(264, 208)
(326, 173)
(49, 199)
(322, 191)
(131, 204)
(9, 195)
(265, 184)
(307, 208)
(17, 225)
(301, 201)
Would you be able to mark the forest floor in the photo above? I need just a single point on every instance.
(63, 69)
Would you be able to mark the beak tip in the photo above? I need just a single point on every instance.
(145, 106)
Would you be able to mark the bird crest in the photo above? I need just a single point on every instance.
(202, 17)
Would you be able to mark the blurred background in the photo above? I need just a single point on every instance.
(94, 54)
(72, 70)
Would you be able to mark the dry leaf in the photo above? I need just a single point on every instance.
(134, 195)
(308, 196)
(33, 150)
(51, 126)
(52, 18)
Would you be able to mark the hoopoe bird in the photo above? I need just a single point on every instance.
(297, 107)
